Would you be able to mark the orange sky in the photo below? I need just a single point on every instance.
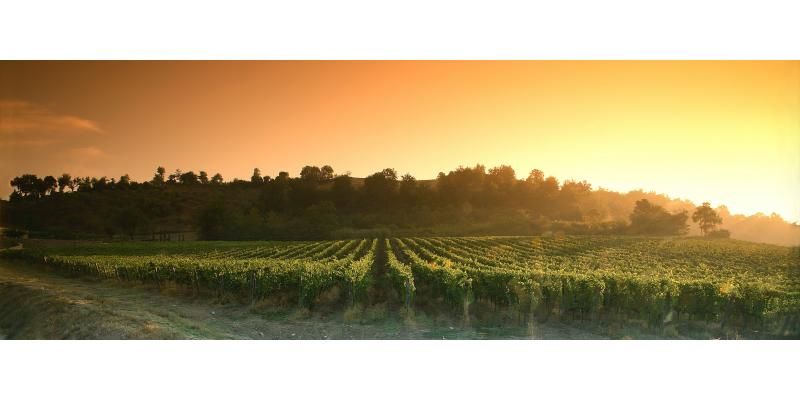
(726, 132)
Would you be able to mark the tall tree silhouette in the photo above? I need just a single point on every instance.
(706, 217)
(64, 181)
(158, 178)
(256, 178)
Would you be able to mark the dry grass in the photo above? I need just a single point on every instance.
(300, 313)
(353, 314)
(377, 312)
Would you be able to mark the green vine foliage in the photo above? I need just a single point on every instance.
(250, 274)
(652, 279)
(400, 275)
(644, 278)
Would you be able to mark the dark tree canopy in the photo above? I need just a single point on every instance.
(320, 204)
(650, 219)
(65, 181)
(189, 178)
(158, 178)
(256, 178)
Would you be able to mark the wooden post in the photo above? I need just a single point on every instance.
(408, 295)
(466, 308)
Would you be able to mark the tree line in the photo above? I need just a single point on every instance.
(30, 186)
(318, 203)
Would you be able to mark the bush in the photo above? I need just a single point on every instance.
(14, 233)
(719, 234)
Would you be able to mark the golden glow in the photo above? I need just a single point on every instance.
(726, 132)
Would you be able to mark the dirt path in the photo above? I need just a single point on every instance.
(36, 304)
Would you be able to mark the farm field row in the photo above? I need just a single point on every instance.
(255, 270)
(652, 279)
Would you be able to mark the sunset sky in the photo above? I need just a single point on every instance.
(725, 132)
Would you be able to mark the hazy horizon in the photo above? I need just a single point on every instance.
(721, 131)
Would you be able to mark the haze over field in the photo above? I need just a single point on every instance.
(722, 131)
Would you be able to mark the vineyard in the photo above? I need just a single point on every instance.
(654, 280)
(252, 270)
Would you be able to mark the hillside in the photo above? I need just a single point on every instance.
(466, 201)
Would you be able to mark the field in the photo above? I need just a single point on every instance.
(654, 281)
